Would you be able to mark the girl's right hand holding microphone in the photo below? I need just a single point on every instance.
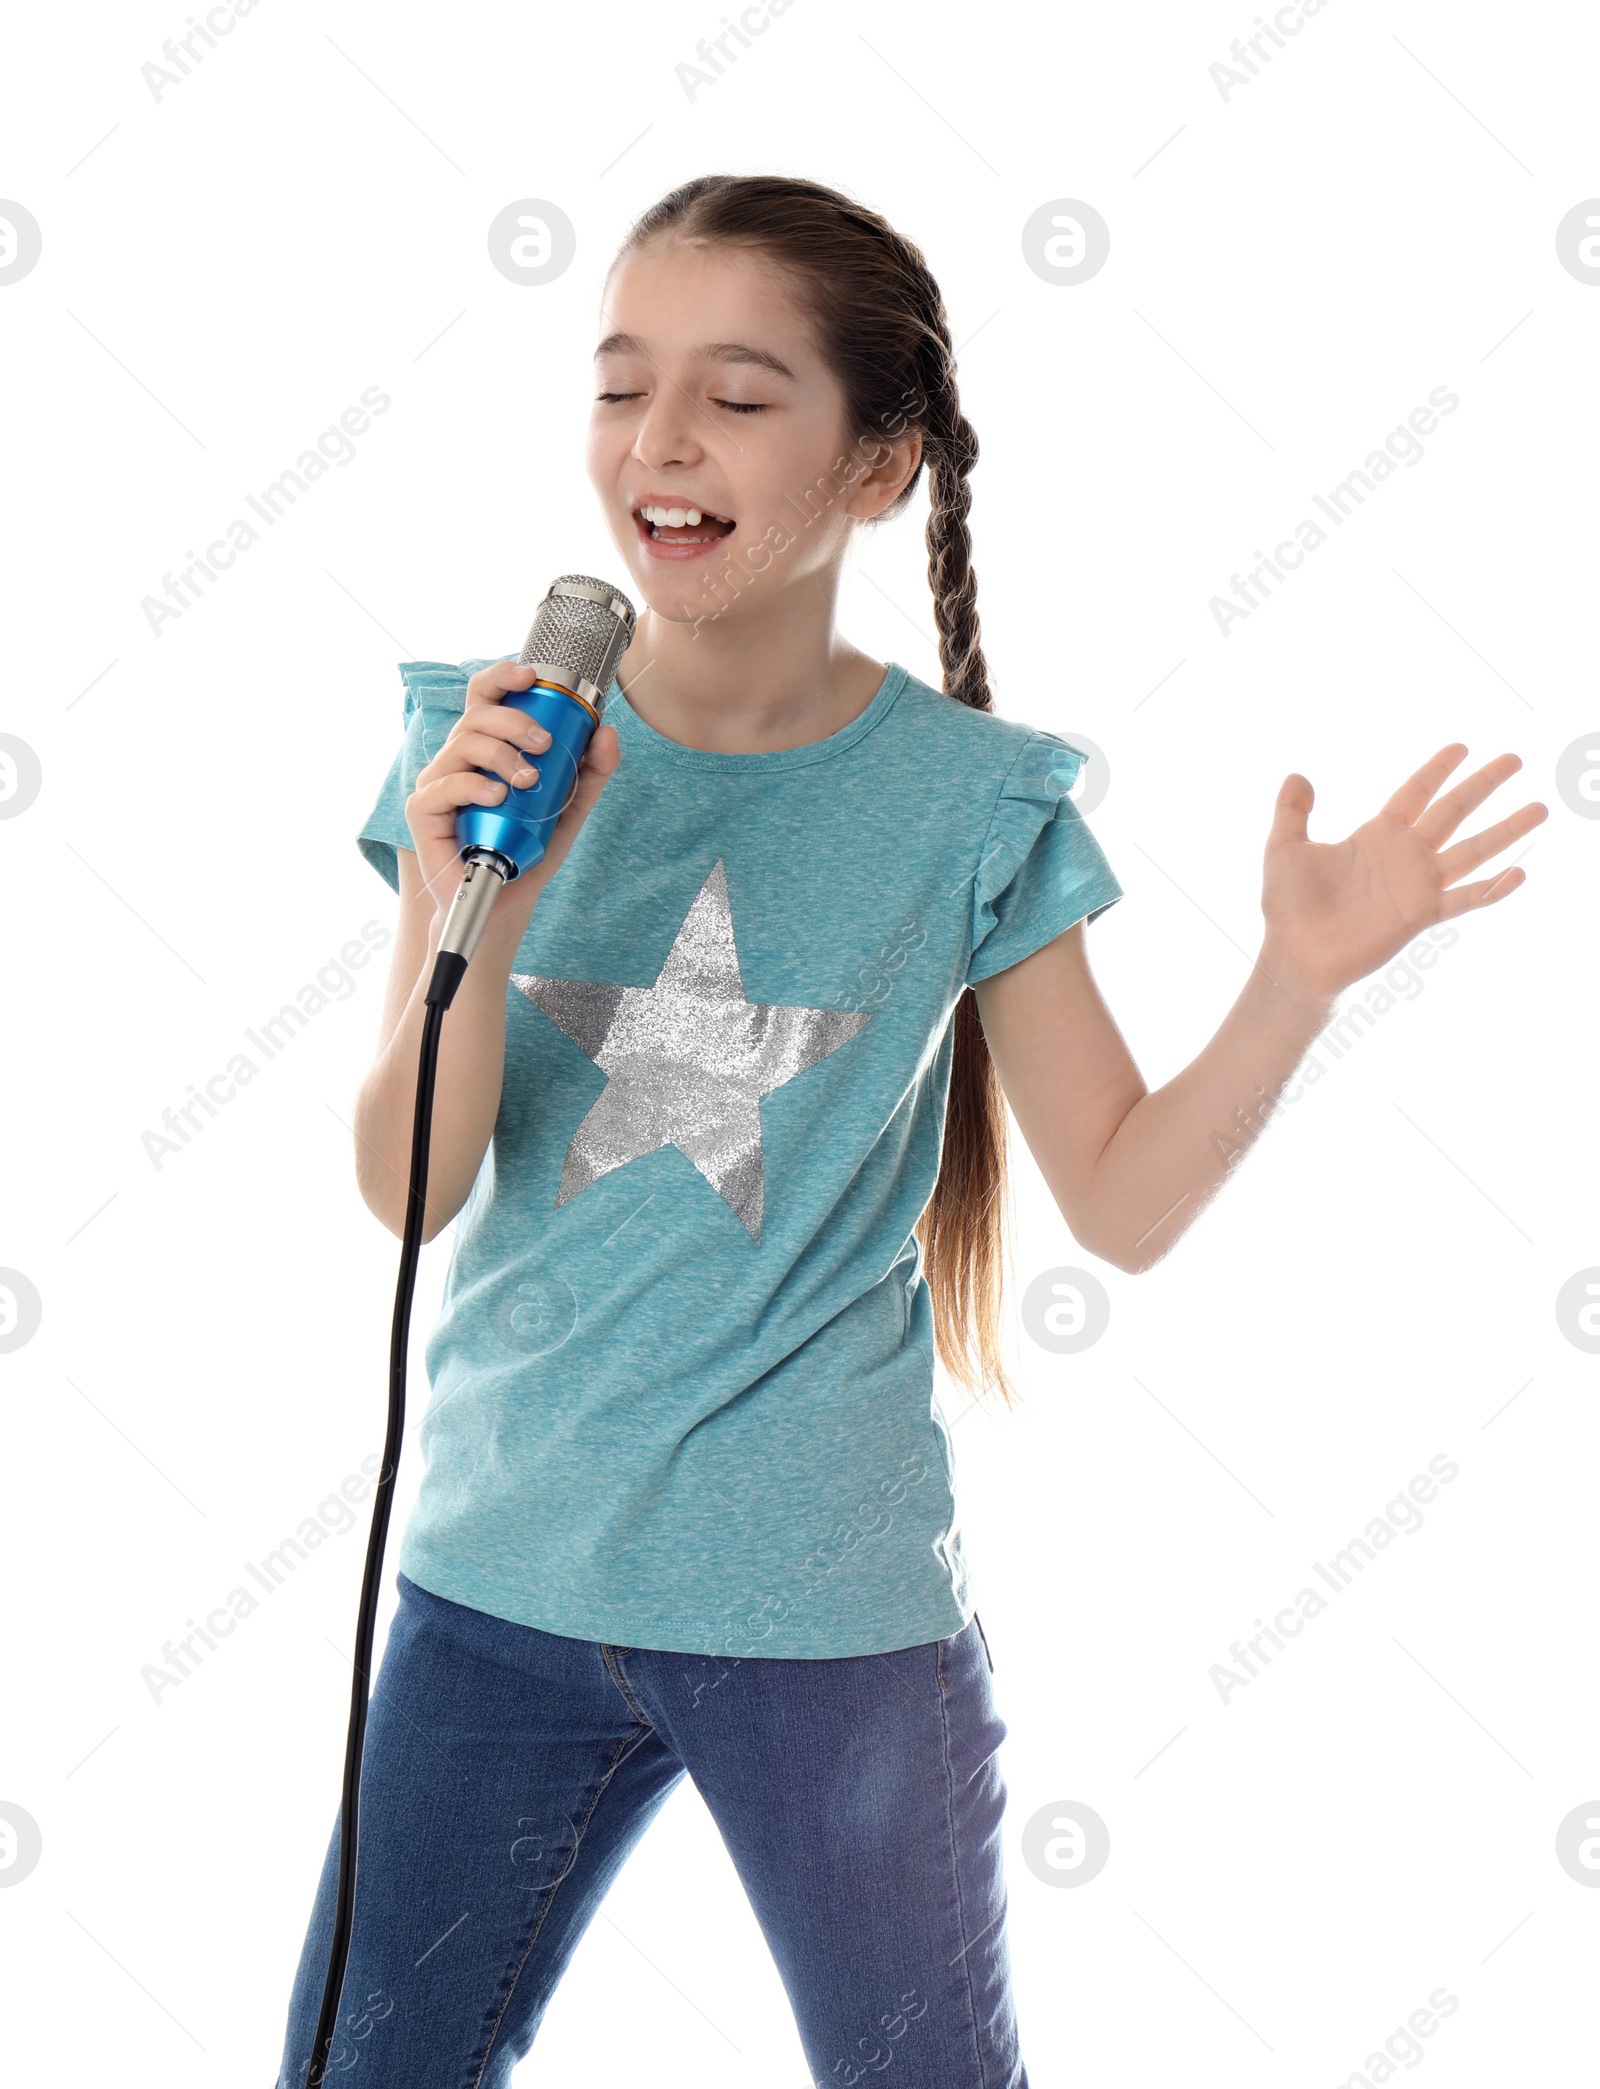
(496, 736)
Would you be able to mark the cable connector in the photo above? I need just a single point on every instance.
(485, 877)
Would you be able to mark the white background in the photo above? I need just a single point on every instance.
(1291, 271)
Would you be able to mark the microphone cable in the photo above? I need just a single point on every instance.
(581, 630)
(449, 966)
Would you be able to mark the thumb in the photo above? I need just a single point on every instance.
(604, 751)
(601, 760)
(1295, 800)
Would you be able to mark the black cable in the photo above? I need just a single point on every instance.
(448, 969)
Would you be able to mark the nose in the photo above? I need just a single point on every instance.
(667, 435)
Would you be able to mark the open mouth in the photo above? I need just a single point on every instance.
(681, 524)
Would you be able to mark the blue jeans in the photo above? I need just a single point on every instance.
(508, 1772)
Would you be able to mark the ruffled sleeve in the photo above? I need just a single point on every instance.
(435, 696)
(1041, 868)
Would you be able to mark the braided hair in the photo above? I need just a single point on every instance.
(882, 325)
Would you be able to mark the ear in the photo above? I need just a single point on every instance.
(887, 463)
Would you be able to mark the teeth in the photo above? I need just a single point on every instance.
(672, 518)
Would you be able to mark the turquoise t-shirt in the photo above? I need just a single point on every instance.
(683, 1386)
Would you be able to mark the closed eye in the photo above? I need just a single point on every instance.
(728, 405)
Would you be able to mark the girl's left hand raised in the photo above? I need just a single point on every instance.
(1336, 911)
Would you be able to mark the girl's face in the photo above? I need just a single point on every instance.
(718, 443)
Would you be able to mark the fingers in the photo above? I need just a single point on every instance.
(501, 721)
(491, 683)
(454, 777)
(1484, 894)
(488, 736)
(1478, 848)
(441, 797)
(1411, 800)
(514, 757)
(1440, 821)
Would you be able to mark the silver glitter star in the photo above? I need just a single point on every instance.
(687, 1060)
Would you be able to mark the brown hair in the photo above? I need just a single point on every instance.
(881, 324)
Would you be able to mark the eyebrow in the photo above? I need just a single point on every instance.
(710, 352)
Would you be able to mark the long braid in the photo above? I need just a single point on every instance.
(952, 447)
(963, 1230)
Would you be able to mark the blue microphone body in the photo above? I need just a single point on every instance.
(580, 633)
(520, 826)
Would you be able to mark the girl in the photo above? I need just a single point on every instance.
(725, 1133)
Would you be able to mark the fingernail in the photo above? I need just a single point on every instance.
(524, 776)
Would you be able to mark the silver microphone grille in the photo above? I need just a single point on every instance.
(582, 629)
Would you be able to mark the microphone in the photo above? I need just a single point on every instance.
(581, 630)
